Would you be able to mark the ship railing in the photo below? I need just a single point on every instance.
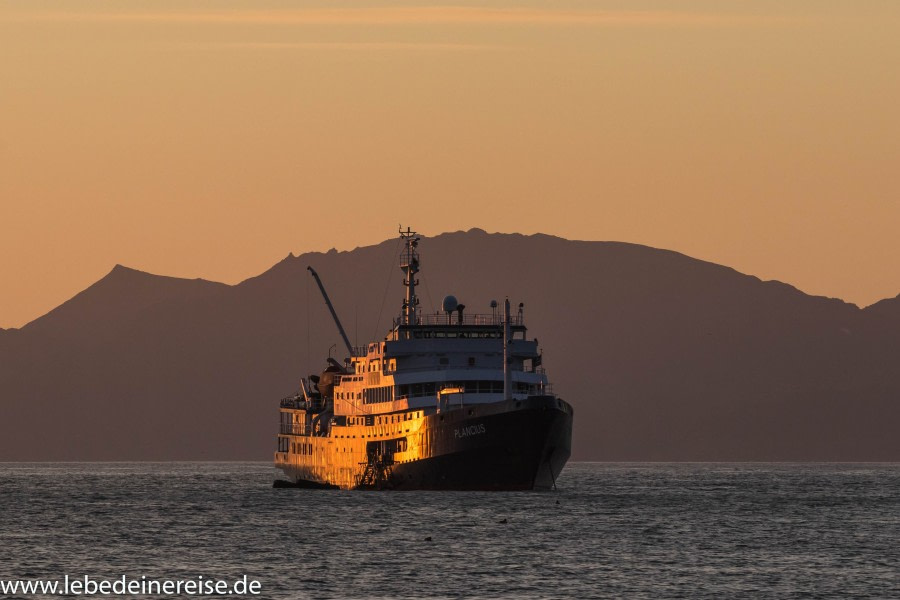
(292, 402)
(299, 403)
(468, 319)
(294, 429)
(407, 256)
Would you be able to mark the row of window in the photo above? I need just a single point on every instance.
(379, 394)
(469, 387)
(458, 334)
(446, 361)
(302, 448)
(417, 390)
(285, 445)
(372, 365)
(370, 420)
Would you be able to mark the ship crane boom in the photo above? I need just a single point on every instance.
(337, 321)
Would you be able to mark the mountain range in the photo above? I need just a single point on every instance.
(664, 357)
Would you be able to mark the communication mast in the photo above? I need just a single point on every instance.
(409, 264)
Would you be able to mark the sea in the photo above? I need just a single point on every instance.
(620, 530)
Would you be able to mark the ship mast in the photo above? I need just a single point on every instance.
(409, 264)
(507, 374)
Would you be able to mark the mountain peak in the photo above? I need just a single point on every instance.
(121, 293)
(120, 270)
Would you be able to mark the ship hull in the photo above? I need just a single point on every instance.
(520, 449)
(510, 445)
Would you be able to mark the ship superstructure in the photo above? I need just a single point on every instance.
(449, 400)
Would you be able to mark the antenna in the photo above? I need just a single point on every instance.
(449, 305)
(409, 264)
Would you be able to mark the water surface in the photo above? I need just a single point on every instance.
(611, 530)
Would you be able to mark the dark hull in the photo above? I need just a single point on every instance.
(523, 448)
(510, 445)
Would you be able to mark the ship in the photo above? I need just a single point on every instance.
(450, 400)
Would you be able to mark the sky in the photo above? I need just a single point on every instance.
(212, 138)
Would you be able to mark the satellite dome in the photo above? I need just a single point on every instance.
(449, 304)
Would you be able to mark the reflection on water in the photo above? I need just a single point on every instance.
(612, 530)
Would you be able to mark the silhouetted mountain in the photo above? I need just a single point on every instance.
(123, 295)
(663, 356)
(889, 308)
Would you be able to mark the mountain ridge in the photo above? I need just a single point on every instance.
(126, 271)
(140, 288)
(665, 357)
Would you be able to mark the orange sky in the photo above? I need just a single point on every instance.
(209, 139)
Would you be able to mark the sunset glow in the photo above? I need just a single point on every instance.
(210, 139)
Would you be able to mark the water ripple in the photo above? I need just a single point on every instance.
(612, 530)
